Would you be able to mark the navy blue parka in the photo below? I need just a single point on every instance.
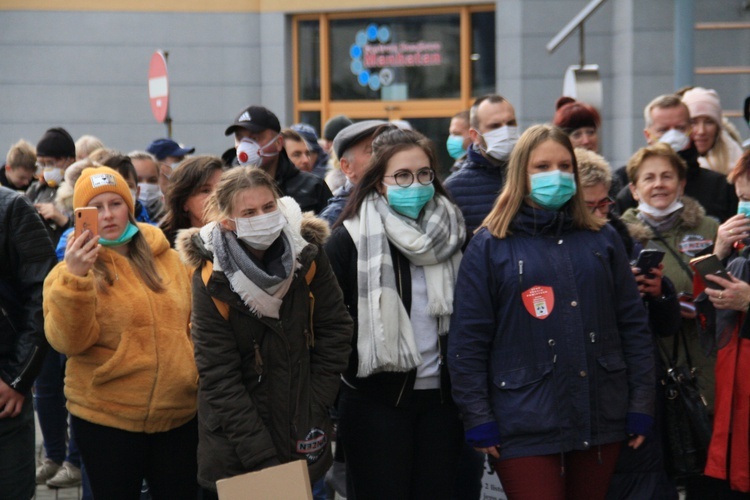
(555, 383)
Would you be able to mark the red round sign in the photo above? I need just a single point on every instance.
(158, 86)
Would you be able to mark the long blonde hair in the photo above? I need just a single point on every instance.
(220, 204)
(516, 188)
(141, 260)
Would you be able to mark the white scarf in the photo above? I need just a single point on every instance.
(385, 336)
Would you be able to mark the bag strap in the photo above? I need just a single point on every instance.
(681, 262)
(221, 306)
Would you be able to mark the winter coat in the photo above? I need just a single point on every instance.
(309, 191)
(694, 233)
(390, 388)
(475, 187)
(709, 188)
(729, 451)
(26, 256)
(41, 192)
(336, 205)
(549, 337)
(266, 385)
(130, 359)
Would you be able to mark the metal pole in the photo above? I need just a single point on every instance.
(684, 42)
(168, 119)
(582, 46)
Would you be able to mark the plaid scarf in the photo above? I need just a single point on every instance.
(262, 293)
(386, 339)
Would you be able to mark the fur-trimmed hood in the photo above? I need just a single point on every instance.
(691, 217)
(194, 244)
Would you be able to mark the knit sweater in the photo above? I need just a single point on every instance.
(130, 358)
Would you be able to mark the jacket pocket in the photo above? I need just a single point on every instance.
(612, 382)
(524, 399)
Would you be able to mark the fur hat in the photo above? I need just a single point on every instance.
(95, 181)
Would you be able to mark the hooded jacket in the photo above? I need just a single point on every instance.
(130, 359)
(549, 338)
(309, 191)
(266, 385)
(475, 187)
(27, 257)
(694, 233)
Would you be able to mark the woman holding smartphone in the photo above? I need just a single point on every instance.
(118, 307)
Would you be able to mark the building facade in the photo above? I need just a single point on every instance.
(83, 65)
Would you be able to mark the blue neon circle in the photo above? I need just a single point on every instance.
(384, 34)
(360, 38)
(374, 82)
(372, 32)
(356, 67)
(363, 78)
(355, 51)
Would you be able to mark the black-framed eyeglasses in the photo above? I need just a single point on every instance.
(405, 178)
(601, 205)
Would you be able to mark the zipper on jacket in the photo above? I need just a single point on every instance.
(258, 361)
(26, 365)
(441, 362)
(7, 318)
(551, 344)
(520, 272)
(403, 387)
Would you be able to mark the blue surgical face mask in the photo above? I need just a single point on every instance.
(409, 201)
(743, 207)
(551, 190)
(455, 146)
(124, 238)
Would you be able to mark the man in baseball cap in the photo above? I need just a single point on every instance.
(169, 154)
(259, 143)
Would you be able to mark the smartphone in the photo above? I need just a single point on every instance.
(710, 264)
(648, 259)
(86, 218)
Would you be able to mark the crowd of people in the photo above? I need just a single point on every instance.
(329, 298)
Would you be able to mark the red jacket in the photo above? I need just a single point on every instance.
(732, 414)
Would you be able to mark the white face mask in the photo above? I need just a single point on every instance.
(500, 142)
(676, 139)
(659, 212)
(53, 176)
(149, 192)
(262, 230)
(250, 153)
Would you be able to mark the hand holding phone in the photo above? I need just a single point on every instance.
(648, 259)
(86, 218)
(710, 264)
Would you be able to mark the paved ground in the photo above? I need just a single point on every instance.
(44, 493)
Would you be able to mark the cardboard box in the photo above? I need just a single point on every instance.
(287, 481)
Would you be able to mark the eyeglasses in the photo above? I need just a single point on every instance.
(601, 205)
(405, 178)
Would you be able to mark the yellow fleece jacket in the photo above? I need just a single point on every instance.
(130, 357)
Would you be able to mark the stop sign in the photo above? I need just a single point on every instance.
(158, 86)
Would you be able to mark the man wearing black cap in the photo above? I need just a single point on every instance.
(258, 141)
(169, 154)
(353, 147)
(55, 152)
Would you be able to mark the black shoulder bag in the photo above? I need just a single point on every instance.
(687, 426)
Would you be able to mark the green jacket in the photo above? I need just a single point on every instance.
(694, 232)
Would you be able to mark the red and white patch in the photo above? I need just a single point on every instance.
(539, 301)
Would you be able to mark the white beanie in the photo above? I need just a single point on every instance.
(703, 102)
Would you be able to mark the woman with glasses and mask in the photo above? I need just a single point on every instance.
(270, 329)
(549, 351)
(395, 250)
(639, 472)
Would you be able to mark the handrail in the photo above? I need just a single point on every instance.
(574, 23)
(740, 25)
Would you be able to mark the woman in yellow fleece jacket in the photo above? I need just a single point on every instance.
(119, 306)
